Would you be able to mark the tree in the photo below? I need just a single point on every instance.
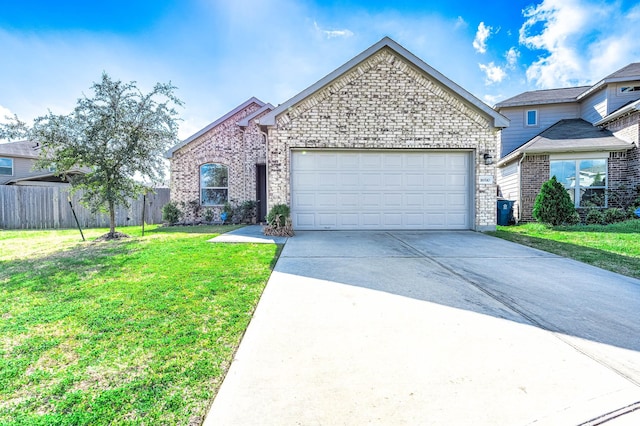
(553, 204)
(118, 135)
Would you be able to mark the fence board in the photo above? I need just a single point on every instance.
(34, 207)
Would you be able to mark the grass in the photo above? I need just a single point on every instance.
(614, 247)
(135, 331)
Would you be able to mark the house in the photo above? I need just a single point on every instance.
(17, 161)
(587, 136)
(383, 142)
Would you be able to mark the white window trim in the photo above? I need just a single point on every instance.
(577, 158)
(13, 168)
(212, 187)
(526, 118)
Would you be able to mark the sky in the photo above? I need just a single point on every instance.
(220, 53)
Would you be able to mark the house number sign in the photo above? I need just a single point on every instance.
(486, 179)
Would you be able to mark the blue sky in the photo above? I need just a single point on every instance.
(220, 53)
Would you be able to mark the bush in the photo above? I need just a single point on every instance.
(595, 217)
(208, 214)
(171, 213)
(278, 213)
(614, 215)
(553, 204)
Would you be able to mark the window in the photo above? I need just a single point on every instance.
(532, 117)
(6, 166)
(590, 189)
(627, 89)
(214, 184)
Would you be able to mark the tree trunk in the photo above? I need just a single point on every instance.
(112, 219)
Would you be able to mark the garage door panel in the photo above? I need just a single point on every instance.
(380, 190)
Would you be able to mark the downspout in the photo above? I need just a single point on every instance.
(524, 154)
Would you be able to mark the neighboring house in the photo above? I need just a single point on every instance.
(224, 162)
(17, 161)
(383, 142)
(587, 136)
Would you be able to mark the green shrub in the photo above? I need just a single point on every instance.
(208, 214)
(595, 217)
(171, 213)
(553, 204)
(279, 212)
(614, 215)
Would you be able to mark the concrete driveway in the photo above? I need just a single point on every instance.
(435, 328)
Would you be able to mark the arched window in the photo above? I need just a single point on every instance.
(214, 184)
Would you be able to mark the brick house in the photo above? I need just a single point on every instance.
(383, 142)
(587, 136)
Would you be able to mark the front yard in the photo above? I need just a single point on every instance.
(136, 331)
(615, 247)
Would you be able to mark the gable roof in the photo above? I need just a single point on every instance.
(225, 117)
(627, 73)
(543, 97)
(22, 149)
(245, 121)
(498, 119)
(570, 135)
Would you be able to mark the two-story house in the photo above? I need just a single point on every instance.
(17, 161)
(586, 136)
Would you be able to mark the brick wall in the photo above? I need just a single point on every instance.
(535, 171)
(229, 144)
(384, 103)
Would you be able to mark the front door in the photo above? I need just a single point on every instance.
(261, 191)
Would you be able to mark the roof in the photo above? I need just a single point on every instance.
(245, 121)
(571, 135)
(628, 108)
(23, 149)
(548, 96)
(220, 120)
(45, 177)
(498, 119)
(627, 73)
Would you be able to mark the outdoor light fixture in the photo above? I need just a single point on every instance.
(488, 159)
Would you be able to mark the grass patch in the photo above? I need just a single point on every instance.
(615, 247)
(134, 331)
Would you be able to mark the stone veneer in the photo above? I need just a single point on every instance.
(229, 144)
(384, 102)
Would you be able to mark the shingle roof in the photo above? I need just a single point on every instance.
(548, 96)
(23, 149)
(631, 70)
(571, 135)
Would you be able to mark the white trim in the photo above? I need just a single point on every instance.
(13, 167)
(580, 156)
(526, 118)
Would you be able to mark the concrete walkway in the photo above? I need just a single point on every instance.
(435, 328)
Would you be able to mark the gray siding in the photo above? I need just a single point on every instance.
(594, 107)
(617, 99)
(22, 167)
(517, 134)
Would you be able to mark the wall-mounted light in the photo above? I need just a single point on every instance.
(488, 159)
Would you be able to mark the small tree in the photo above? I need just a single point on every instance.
(118, 136)
(553, 204)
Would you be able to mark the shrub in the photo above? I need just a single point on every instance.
(553, 204)
(247, 211)
(278, 215)
(208, 214)
(595, 217)
(614, 215)
(171, 213)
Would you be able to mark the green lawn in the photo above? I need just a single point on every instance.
(615, 247)
(135, 331)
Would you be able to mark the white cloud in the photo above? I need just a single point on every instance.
(480, 42)
(4, 113)
(460, 23)
(333, 33)
(493, 73)
(512, 56)
(491, 100)
(579, 42)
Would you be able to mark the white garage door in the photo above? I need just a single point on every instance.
(380, 190)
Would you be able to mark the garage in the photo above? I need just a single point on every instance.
(385, 189)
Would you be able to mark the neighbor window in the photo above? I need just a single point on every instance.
(214, 184)
(590, 188)
(532, 117)
(6, 166)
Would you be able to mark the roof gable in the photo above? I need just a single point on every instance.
(498, 120)
(210, 126)
(21, 149)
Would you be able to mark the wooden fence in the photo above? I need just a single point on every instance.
(33, 207)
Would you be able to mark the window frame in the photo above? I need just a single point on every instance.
(202, 188)
(11, 166)
(578, 189)
(526, 118)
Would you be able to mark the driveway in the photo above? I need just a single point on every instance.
(435, 328)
